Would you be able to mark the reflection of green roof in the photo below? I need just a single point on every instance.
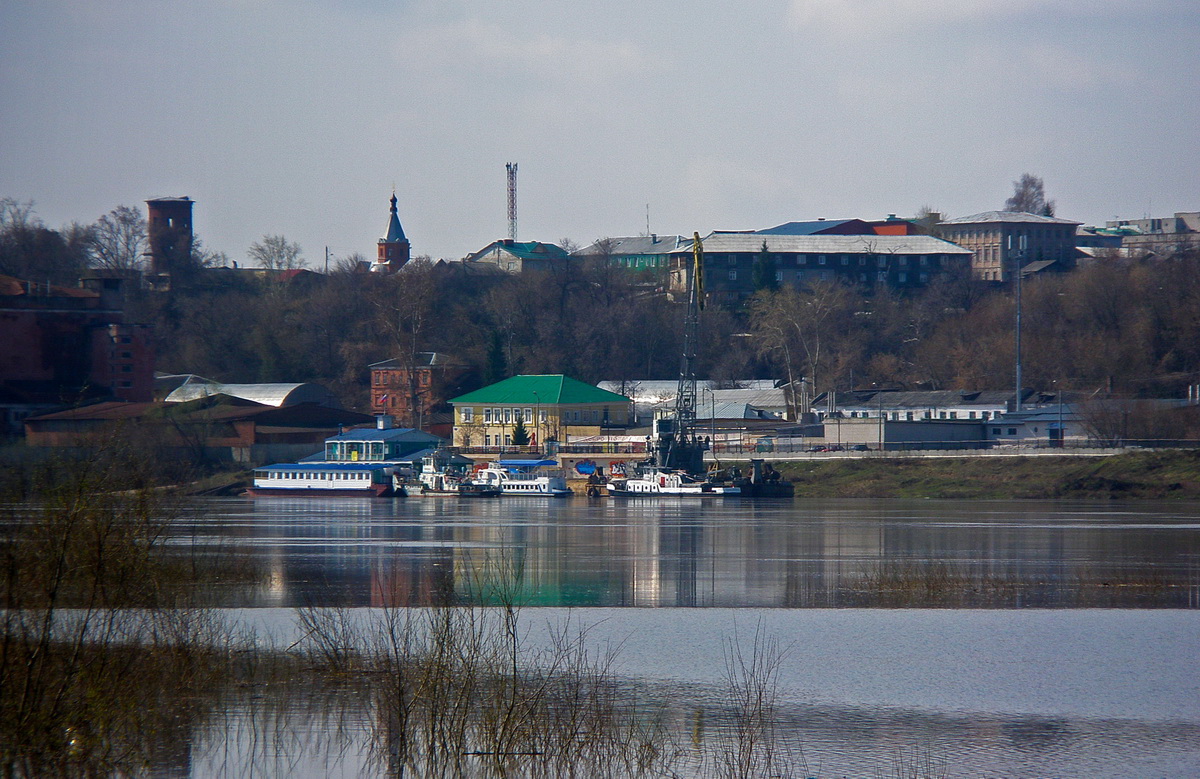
(549, 389)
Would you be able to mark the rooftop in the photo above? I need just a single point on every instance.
(386, 434)
(816, 227)
(831, 244)
(526, 250)
(546, 388)
(267, 394)
(1007, 217)
(637, 244)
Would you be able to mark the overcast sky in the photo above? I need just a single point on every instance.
(297, 117)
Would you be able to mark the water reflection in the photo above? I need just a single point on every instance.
(800, 554)
(305, 729)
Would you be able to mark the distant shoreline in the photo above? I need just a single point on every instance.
(1159, 475)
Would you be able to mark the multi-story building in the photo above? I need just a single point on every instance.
(638, 252)
(66, 345)
(412, 390)
(896, 261)
(549, 407)
(1001, 240)
(518, 256)
(1166, 236)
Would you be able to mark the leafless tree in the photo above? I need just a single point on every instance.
(275, 252)
(1029, 196)
(118, 239)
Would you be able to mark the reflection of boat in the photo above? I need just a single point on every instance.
(524, 477)
(325, 478)
(653, 480)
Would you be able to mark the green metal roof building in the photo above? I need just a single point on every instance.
(551, 406)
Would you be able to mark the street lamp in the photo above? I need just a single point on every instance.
(537, 425)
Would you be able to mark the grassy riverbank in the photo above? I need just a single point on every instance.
(1169, 475)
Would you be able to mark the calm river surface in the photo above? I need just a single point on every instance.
(975, 638)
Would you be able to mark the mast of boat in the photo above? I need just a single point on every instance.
(677, 446)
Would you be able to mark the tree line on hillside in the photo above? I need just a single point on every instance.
(1124, 328)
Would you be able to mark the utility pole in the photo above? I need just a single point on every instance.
(511, 167)
(1018, 261)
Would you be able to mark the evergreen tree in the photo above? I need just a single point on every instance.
(520, 436)
(764, 270)
(497, 365)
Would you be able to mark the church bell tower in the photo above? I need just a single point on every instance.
(394, 247)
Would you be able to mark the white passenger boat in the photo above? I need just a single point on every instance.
(524, 477)
(325, 479)
(653, 481)
(447, 473)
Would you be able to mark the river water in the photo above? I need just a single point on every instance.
(919, 637)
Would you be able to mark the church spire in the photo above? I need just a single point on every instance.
(394, 248)
(395, 232)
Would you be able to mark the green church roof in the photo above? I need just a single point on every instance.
(546, 389)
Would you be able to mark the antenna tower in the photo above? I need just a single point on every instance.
(511, 167)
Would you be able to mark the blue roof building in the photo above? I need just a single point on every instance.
(382, 443)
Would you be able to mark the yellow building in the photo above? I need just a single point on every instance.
(549, 407)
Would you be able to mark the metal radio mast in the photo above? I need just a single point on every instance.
(511, 167)
(678, 445)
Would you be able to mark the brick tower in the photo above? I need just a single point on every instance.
(169, 224)
(394, 248)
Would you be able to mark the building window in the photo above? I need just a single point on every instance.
(529, 414)
(970, 415)
(487, 416)
(507, 440)
(733, 274)
(821, 259)
(908, 415)
(803, 259)
(542, 416)
(902, 277)
(468, 415)
(882, 275)
(845, 259)
(984, 414)
(778, 275)
(508, 416)
(733, 259)
(954, 415)
(1012, 431)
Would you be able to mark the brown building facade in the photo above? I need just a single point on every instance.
(1000, 241)
(411, 391)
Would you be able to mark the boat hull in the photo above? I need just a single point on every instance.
(376, 491)
(701, 491)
